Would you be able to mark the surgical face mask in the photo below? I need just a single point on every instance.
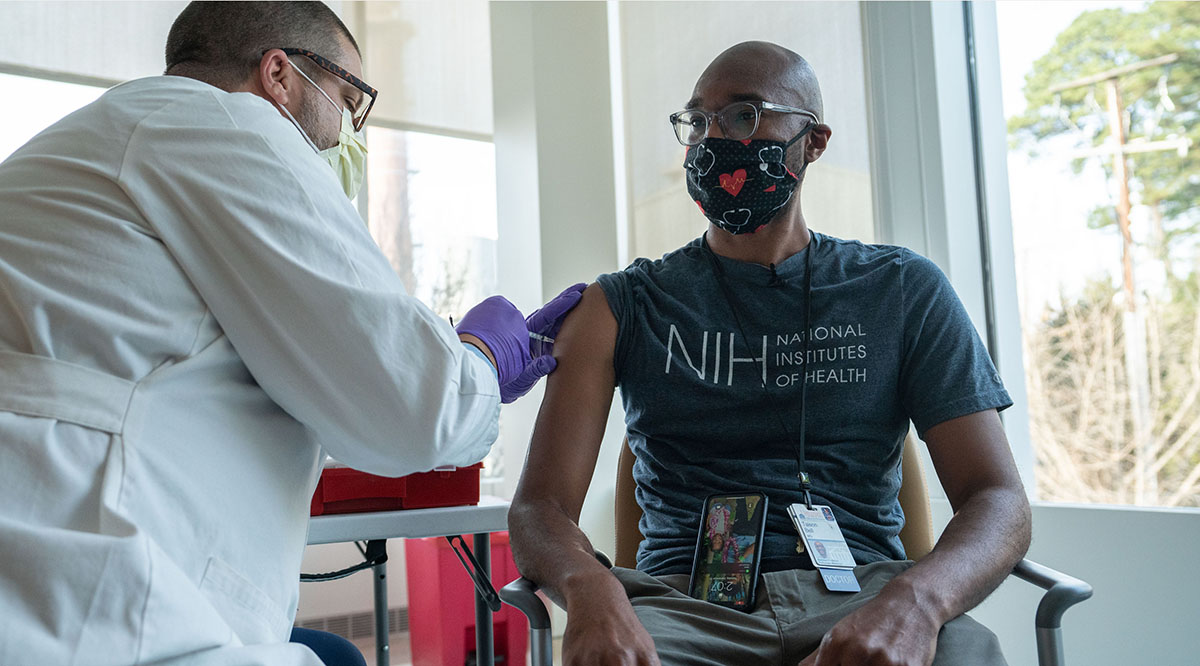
(740, 186)
(349, 157)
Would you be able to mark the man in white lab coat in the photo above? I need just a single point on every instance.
(191, 312)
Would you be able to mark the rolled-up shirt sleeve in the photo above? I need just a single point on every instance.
(264, 233)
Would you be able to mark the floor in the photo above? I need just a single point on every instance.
(402, 655)
(397, 644)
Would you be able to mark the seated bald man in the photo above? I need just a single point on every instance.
(759, 351)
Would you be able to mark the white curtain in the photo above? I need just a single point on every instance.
(431, 62)
(114, 41)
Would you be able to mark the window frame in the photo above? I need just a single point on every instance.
(927, 196)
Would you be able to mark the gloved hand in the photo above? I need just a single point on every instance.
(498, 323)
(544, 324)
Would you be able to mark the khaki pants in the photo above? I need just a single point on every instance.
(792, 612)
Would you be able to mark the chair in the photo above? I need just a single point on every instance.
(1062, 591)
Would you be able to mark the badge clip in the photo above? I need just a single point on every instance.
(806, 486)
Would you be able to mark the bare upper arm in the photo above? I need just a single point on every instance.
(570, 424)
(971, 453)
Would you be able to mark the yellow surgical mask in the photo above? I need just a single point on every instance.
(348, 158)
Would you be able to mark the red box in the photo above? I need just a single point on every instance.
(345, 490)
(454, 487)
(441, 611)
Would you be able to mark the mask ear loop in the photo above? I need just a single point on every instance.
(314, 84)
(307, 138)
(340, 109)
(807, 128)
(304, 134)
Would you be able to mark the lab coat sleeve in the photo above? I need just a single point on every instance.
(286, 266)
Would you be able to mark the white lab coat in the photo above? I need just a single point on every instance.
(190, 312)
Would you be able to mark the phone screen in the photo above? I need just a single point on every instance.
(725, 568)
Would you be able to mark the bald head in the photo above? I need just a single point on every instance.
(758, 71)
(766, 72)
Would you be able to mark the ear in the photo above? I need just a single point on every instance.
(814, 144)
(276, 78)
(818, 140)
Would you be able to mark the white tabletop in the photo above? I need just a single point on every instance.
(490, 515)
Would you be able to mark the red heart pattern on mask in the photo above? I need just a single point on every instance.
(732, 183)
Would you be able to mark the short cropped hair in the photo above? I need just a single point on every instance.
(222, 43)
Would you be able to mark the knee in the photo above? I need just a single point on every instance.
(965, 641)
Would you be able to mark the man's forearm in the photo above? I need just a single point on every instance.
(980, 546)
(550, 549)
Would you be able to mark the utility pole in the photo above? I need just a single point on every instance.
(1136, 371)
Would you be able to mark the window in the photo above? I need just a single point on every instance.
(33, 104)
(430, 198)
(1107, 250)
(431, 207)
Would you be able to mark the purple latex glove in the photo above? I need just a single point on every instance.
(522, 383)
(544, 324)
(499, 324)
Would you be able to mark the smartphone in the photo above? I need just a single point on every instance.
(729, 549)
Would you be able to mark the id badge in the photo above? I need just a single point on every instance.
(826, 546)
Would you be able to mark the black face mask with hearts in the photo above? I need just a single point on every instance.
(741, 185)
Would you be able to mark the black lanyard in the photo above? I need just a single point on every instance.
(798, 449)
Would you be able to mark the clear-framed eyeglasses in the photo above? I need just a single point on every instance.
(738, 121)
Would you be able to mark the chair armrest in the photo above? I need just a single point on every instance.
(603, 559)
(1062, 591)
(522, 595)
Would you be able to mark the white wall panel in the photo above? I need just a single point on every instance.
(1140, 562)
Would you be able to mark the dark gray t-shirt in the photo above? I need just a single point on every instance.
(890, 342)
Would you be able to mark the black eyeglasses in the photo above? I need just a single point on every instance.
(360, 114)
(738, 121)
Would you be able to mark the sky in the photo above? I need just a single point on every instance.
(1027, 30)
(1055, 251)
